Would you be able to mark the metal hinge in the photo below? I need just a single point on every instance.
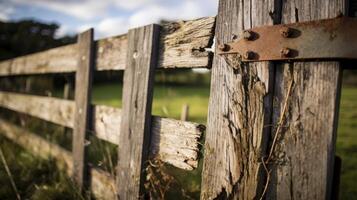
(323, 39)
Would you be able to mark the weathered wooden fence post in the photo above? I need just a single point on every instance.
(134, 140)
(239, 109)
(185, 112)
(244, 110)
(83, 86)
(306, 97)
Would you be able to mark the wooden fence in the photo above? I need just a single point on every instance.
(271, 125)
(140, 135)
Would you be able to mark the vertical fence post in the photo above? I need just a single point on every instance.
(305, 114)
(67, 94)
(185, 112)
(135, 131)
(240, 108)
(82, 100)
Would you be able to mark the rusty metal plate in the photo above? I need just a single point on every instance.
(324, 39)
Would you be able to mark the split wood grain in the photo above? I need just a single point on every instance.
(173, 141)
(83, 87)
(240, 107)
(135, 133)
(182, 45)
(102, 184)
(304, 155)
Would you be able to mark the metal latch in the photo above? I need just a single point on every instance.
(323, 39)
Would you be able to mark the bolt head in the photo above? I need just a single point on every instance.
(248, 55)
(286, 32)
(223, 47)
(248, 35)
(285, 52)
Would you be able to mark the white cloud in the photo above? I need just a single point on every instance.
(187, 9)
(82, 9)
(153, 13)
(132, 4)
(85, 27)
(5, 12)
(112, 26)
(62, 31)
(102, 15)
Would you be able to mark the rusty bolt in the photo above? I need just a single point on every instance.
(224, 47)
(285, 52)
(286, 32)
(248, 55)
(248, 35)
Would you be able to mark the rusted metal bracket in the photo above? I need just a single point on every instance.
(324, 39)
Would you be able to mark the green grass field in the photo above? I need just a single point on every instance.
(347, 143)
(168, 101)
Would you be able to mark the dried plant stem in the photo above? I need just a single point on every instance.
(279, 125)
(3, 160)
(281, 119)
(267, 181)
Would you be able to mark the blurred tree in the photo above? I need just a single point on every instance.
(28, 36)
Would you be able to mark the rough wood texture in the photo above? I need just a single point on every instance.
(166, 133)
(111, 53)
(239, 109)
(182, 44)
(102, 184)
(57, 60)
(135, 133)
(177, 142)
(82, 105)
(54, 110)
(304, 155)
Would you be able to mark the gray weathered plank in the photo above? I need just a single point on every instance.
(56, 60)
(82, 104)
(183, 44)
(239, 109)
(102, 184)
(59, 111)
(134, 141)
(175, 142)
(177, 49)
(304, 155)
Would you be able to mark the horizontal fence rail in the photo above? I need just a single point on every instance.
(182, 45)
(174, 141)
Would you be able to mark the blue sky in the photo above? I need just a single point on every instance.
(107, 17)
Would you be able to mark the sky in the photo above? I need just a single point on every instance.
(107, 17)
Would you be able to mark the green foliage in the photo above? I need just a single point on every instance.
(28, 36)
